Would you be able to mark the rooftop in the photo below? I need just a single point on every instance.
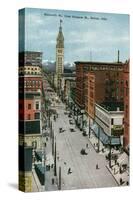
(113, 106)
(98, 63)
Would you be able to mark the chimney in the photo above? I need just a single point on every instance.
(118, 109)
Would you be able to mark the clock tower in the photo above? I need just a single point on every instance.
(59, 59)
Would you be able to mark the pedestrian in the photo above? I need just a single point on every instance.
(87, 146)
(52, 181)
(115, 161)
(121, 181)
(69, 171)
(114, 170)
(97, 166)
(120, 170)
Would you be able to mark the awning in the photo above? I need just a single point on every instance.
(105, 139)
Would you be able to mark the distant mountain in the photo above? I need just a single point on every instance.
(50, 66)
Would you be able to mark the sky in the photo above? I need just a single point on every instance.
(88, 36)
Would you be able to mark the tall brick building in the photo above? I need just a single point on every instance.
(97, 82)
(30, 96)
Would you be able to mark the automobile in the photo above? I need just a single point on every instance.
(83, 152)
(72, 129)
(84, 133)
(61, 130)
(70, 115)
(113, 156)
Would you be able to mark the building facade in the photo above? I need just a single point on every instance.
(30, 99)
(97, 82)
(126, 105)
(30, 58)
(110, 118)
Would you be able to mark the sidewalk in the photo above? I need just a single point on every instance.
(121, 178)
(49, 174)
(36, 185)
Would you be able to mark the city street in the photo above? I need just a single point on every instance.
(83, 167)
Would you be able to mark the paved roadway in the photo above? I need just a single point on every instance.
(84, 173)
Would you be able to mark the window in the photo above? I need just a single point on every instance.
(37, 116)
(29, 117)
(37, 105)
(91, 94)
(126, 83)
(117, 81)
(126, 111)
(29, 106)
(112, 121)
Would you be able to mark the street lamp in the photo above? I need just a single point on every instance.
(110, 151)
(89, 128)
(52, 142)
(55, 170)
(98, 139)
(82, 113)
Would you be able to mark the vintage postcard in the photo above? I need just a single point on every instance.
(73, 100)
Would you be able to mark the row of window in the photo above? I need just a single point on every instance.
(107, 81)
(29, 68)
(36, 106)
(36, 116)
(31, 83)
(30, 73)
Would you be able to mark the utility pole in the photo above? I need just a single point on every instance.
(55, 170)
(59, 178)
(98, 139)
(52, 142)
(82, 121)
(110, 152)
(51, 129)
(77, 118)
(89, 128)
